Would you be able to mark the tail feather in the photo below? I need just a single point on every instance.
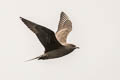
(32, 59)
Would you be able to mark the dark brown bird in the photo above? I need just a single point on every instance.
(55, 44)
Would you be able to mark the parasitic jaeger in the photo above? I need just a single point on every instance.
(54, 43)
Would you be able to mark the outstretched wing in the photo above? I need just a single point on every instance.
(45, 35)
(64, 28)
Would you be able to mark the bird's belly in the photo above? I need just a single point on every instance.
(57, 53)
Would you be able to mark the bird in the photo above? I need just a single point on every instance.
(55, 44)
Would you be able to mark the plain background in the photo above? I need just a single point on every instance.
(96, 30)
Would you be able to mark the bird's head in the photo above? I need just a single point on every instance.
(73, 46)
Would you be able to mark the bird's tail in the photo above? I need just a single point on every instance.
(33, 59)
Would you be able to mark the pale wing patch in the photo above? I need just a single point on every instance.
(62, 35)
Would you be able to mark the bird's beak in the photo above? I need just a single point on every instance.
(77, 47)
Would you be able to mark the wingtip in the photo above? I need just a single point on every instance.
(62, 12)
(24, 20)
(20, 17)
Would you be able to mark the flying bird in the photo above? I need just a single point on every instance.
(55, 44)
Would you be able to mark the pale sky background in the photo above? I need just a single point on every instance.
(96, 29)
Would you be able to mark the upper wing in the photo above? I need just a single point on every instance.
(64, 27)
(45, 35)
